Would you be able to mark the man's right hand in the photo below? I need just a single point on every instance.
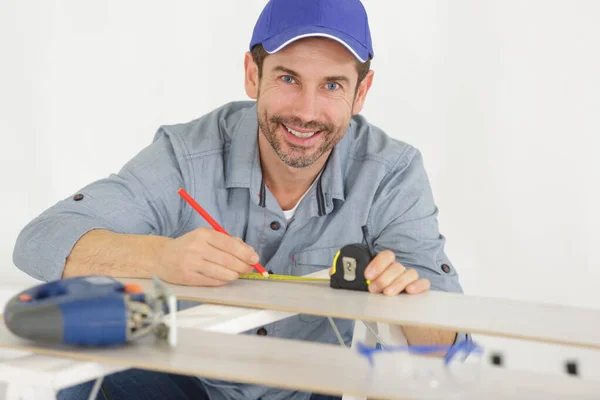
(205, 257)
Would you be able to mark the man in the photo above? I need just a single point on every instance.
(292, 176)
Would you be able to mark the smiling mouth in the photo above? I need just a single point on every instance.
(299, 134)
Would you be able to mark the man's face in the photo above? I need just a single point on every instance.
(305, 99)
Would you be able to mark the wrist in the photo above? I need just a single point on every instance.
(153, 254)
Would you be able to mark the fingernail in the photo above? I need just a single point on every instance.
(254, 259)
(372, 288)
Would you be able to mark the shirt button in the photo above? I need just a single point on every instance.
(78, 197)
(496, 359)
(445, 268)
(261, 332)
(275, 225)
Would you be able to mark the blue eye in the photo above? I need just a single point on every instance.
(332, 86)
(287, 79)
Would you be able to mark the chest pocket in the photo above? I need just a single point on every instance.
(309, 261)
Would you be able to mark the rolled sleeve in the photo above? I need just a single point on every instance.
(404, 220)
(141, 199)
(43, 247)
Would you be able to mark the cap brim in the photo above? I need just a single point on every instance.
(278, 42)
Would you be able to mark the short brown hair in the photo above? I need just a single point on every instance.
(259, 54)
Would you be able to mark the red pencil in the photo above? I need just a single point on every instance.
(214, 224)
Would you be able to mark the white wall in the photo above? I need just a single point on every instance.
(502, 97)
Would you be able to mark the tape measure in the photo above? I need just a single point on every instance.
(347, 270)
(274, 277)
(349, 265)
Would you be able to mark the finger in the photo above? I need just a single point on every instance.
(249, 267)
(407, 278)
(379, 264)
(197, 279)
(236, 247)
(217, 271)
(389, 275)
(227, 261)
(420, 286)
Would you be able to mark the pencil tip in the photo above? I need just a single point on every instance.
(265, 274)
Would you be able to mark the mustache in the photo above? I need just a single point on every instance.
(297, 122)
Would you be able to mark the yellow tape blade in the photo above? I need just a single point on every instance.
(274, 277)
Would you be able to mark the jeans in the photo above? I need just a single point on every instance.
(134, 384)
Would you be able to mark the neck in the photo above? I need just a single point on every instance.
(286, 183)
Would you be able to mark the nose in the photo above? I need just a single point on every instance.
(305, 104)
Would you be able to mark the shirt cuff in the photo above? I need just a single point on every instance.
(56, 245)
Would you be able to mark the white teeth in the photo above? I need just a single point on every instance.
(300, 134)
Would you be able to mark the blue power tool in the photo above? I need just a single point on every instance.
(93, 310)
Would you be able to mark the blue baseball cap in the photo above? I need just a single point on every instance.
(283, 21)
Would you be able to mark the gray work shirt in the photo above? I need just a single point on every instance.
(369, 179)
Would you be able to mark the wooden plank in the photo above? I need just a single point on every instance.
(475, 314)
(52, 372)
(57, 373)
(318, 367)
(29, 367)
(227, 319)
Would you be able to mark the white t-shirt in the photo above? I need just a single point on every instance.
(289, 214)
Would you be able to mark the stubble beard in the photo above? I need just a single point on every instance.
(297, 156)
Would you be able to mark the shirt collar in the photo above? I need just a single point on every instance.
(333, 178)
(243, 164)
(242, 159)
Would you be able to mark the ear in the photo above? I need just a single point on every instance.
(361, 93)
(251, 76)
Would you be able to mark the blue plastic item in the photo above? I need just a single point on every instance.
(89, 310)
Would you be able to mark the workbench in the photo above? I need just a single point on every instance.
(36, 376)
(24, 375)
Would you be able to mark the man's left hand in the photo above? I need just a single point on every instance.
(390, 277)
